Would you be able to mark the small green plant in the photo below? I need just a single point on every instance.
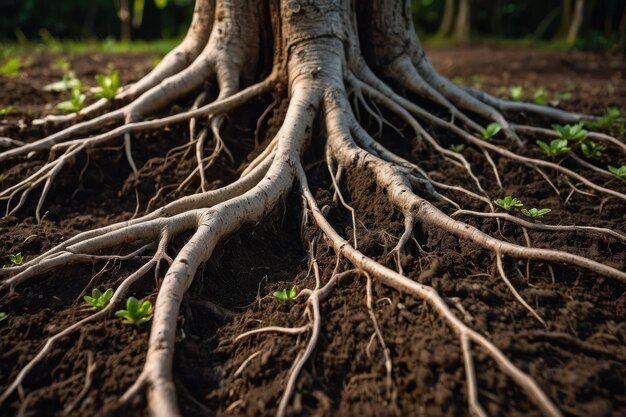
(98, 300)
(16, 259)
(491, 130)
(560, 97)
(509, 203)
(3, 315)
(619, 173)
(76, 103)
(458, 80)
(136, 312)
(611, 119)
(592, 150)
(11, 68)
(555, 148)
(286, 295)
(457, 148)
(3, 177)
(574, 133)
(6, 110)
(540, 96)
(517, 92)
(108, 85)
(535, 213)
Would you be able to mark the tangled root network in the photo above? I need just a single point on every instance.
(334, 68)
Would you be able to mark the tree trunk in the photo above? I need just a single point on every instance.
(463, 22)
(125, 23)
(445, 28)
(566, 19)
(329, 67)
(577, 20)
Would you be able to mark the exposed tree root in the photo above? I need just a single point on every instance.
(317, 53)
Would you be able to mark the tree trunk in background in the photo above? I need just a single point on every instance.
(124, 15)
(566, 18)
(462, 25)
(577, 21)
(446, 23)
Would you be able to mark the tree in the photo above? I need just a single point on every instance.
(324, 53)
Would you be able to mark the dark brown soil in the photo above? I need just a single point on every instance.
(579, 359)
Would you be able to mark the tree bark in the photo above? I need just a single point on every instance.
(462, 26)
(445, 28)
(577, 20)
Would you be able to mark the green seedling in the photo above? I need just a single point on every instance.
(592, 150)
(458, 80)
(574, 133)
(3, 315)
(76, 103)
(11, 68)
(286, 295)
(98, 300)
(559, 97)
(6, 110)
(457, 148)
(540, 96)
(491, 130)
(509, 203)
(555, 148)
(108, 85)
(611, 119)
(535, 213)
(136, 312)
(619, 173)
(517, 92)
(16, 259)
(3, 177)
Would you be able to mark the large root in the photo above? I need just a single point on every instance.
(318, 54)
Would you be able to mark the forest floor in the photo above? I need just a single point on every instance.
(579, 359)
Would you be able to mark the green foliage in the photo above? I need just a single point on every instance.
(457, 148)
(98, 300)
(509, 203)
(555, 148)
(6, 110)
(612, 119)
(491, 130)
(108, 85)
(535, 213)
(619, 173)
(69, 80)
(16, 259)
(286, 295)
(3, 315)
(136, 312)
(11, 68)
(592, 150)
(3, 177)
(574, 133)
(540, 96)
(517, 92)
(76, 103)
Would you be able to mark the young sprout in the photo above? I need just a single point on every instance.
(6, 110)
(286, 295)
(509, 203)
(3, 315)
(619, 173)
(76, 103)
(555, 148)
(559, 97)
(592, 150)
(540, 96)
(11, 68)
(612, 118)
(457, 148)
(517, 92)
(109, 84)
(98, 300)
(69, 80)
(536, 213)
(16, 259)
(491, 130)
(136, 312)
(3, 176)
(574, 133)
